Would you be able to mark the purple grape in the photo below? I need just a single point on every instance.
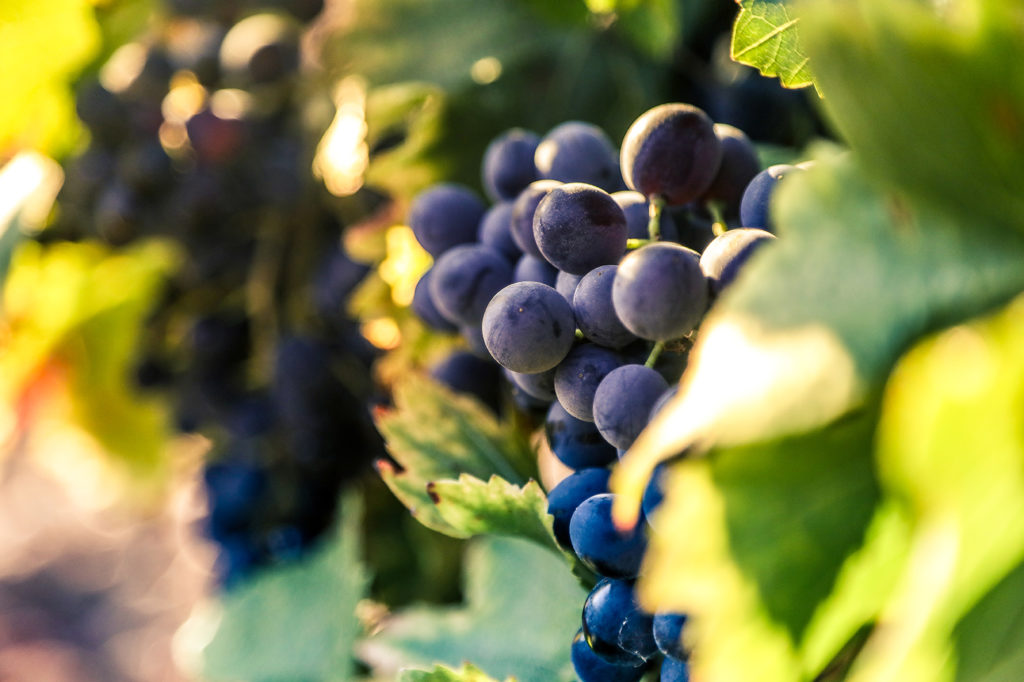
(523, 209)
(595, 314)
(756, 202)
(726, 255)
(533, 269)
(496, 230)
(423, 306)
(600, 545)
(508, 164)
(464, 280)
(659, 291)
(576, 443)
(615, 626)
(738, 167)
(540, 386)
(671, 152)
(590, 667)
(566, 284)
(445, 216)
(623, 401)
(528, 327)
(668, 634)
(575, 151)
(570, 493)
(637, 210)
(578, 227)
(578, 376)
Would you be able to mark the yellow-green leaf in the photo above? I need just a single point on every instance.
(766, 36)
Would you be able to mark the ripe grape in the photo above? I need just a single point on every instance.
(756, 202)
(595, 314)
(464, 280)
(523, 209)
(659, 291)
(578, 227)
(563, 499)
(508, 164)
(726, 255)
(578, 444)
(615, 626)
(623, 400)
(738, 167)
(528, 327)
(600, 545)
(590, 667)
(445, 216)
(575, 151)
(578, 376)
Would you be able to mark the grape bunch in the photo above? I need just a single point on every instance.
(199, 135)
(585, 281)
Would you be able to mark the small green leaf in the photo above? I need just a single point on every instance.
(766, 37)
(496, 507)
(521, 611)
(435, 434)
(294, 622)
(932, 101)
(950, 446)
(442, 673)
(818, 317)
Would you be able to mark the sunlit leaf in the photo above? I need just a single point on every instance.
(766, 36)
(521, 611)
(294, 622)
(442, 673)
(932, 100)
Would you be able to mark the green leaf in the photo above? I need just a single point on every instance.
(442, 673)
(77, 309)
(654, 26)
(815, 322)
(989, 639)
(766, 37)
(29, 184)
(774, 532)
(497, 507)
(521, 611)
(932, 101)
(950, 446)
(294, 622)
(434, 434)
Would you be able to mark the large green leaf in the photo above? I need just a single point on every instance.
(521, 611)
(816, 321)
(495, 507)
(933, 101)
(766, 37)
(781, 556)
(951, 446)
(295, 622)
(989, 640)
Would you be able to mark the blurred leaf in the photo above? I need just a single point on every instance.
(766, 37)
(295, 621)
(44, 44)
(951, 445)
(521, 610)
(774, 532)
(933, 102)
(29, 184)
(435, 434)
(989, 640)
(81, 307)
(441, 673)
(654, 26)
(815, 322)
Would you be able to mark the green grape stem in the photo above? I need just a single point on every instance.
(655, 354)
(718, 227)
(656, 203)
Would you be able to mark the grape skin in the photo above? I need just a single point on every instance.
(423, 306)
(738, 167)
(756, 202)
(623, 403)
(576, 443)
(570, 493)
(726, 255)
(615, 626)
(445, 216)
(495, 230)
(464, 280)
(671, 152)
(637, 210)
(578, 227)
(523, 209)
(590, 667)
(578, 375)
(600, 545)
(659, 291)
(595, 314)
(576, 151)
(508, 164)
(533, 269)
(528, 327)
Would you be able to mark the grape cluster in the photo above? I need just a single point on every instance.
(199, 136)
(585, 280)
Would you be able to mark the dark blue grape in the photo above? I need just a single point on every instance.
(235, 491)
(508, 164)
(464, 280)
(595, 314)
(622, 403)
(600, 545)
(738, 167)
(445, 216)
(533, 269)
(659, 291)
(579, 152)
(528, 327)
(590, 667)
(540, 386)
(423, 306)
(566, 284)
(523, 209)
(668, 634)
(637, 210)
(465, 373)
(576, 443)
(724, 257)
(496, 230)
(570, 493)
(578, 376)
(674, 670)
(578, 227)
(335, 280)
(654, 494)
(615, 626)
(473, 335)
(756, 202)
(671, 152)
